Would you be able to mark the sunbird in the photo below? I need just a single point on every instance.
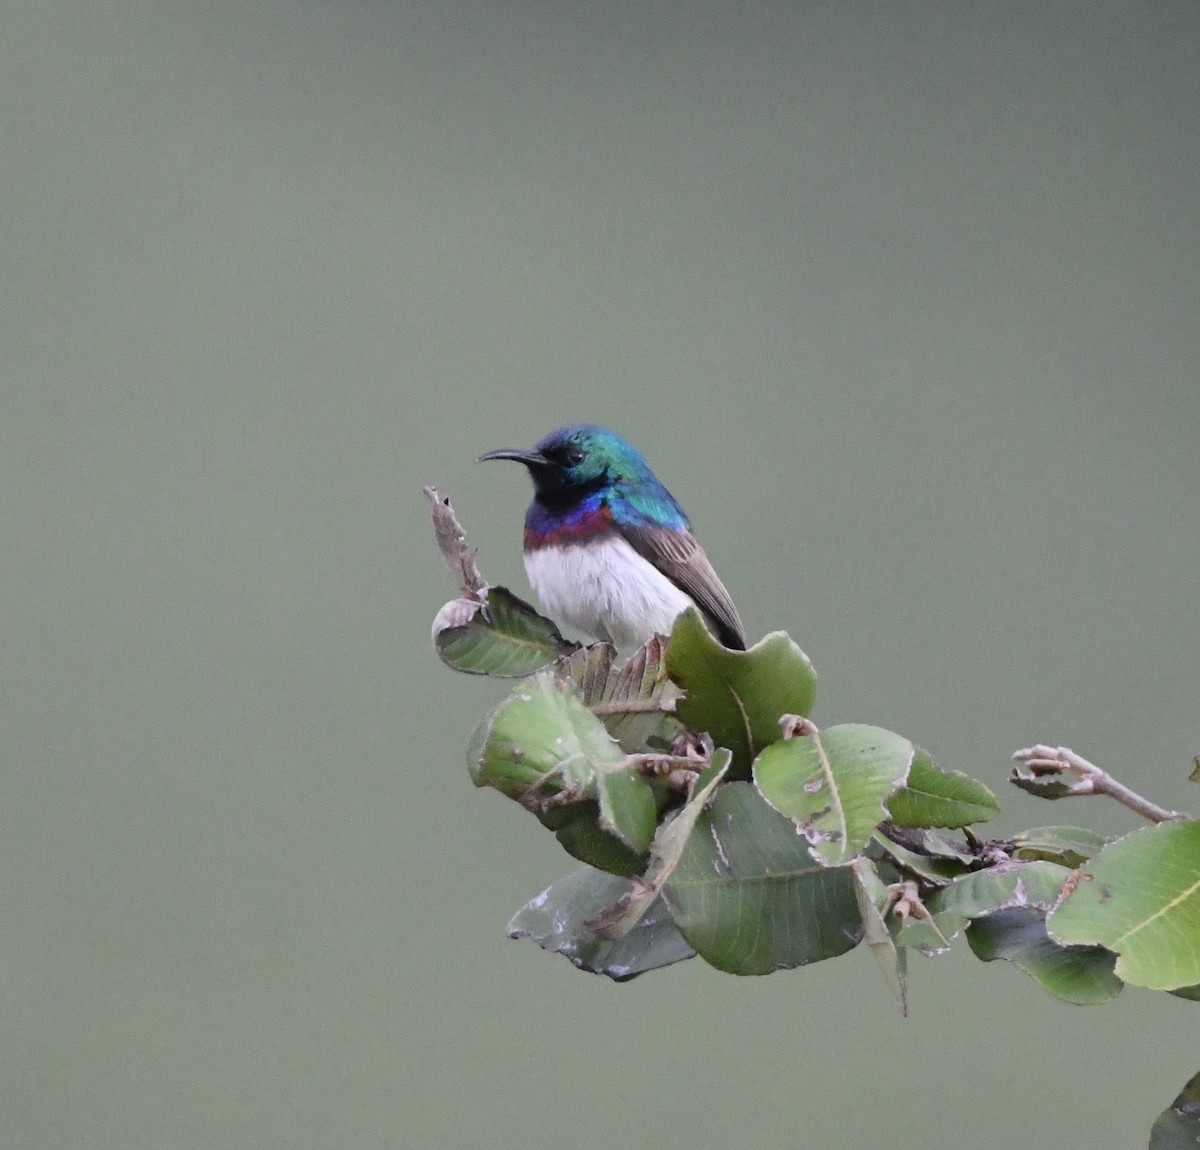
(608, 551)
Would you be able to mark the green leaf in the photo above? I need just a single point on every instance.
(578, 830)
(1140, 897)
(937, 798)
(1178, 1127)
(748, 897)
(1006, 886)
(505, 636)
(1078, 974)
(557, 920)
(833, 784)
(627, 807)
(665, 853)
(541, 741)
(873, 903)
(738, 697)
(1043, 786)
(1068, 846)
(922, 933)
(629, 699)
(935, 867)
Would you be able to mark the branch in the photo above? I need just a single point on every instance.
(452, 541)
(1042, 760)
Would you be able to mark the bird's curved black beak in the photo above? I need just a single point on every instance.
(529, 458)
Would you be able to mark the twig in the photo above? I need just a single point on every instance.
(1045, 760)
(452, 541)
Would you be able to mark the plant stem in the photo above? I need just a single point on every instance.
(1046, 760)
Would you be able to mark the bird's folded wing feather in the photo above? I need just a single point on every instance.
(682, 560)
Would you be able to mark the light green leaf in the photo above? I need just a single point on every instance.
(833, 784)
(873, 903)
(937, 798)
(627, 807)
(557, 920)
(540, 741)
(1078, 974)
(1140, 897)
(504, 637)
(749, 898)
(1068, 846)
(921, 933)
(1005, 886)
(738, 697)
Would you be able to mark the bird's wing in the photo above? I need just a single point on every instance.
(682, 560)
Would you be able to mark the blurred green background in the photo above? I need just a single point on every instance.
(901, 300)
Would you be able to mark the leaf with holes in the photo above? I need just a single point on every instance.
(504, 636)
(738, 697)
(833, 785)
(558, 920)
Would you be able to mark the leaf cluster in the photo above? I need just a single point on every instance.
(717, 820)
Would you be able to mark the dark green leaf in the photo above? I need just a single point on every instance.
(557, 920)
(578, 830)
(1140, 897)
(1044, 786)
(750, 899)
(833, 784)
(933, 867)
(1079, 974)
(937, 798)
(504, 637)
(1178, 1127)
(738, 697)
(665, 852)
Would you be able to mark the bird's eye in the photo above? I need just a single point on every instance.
(576, 455)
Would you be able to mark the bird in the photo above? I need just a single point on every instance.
(608, 551)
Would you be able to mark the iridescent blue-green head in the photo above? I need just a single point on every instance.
(588, 465)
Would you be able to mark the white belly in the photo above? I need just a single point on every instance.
(605, 589)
